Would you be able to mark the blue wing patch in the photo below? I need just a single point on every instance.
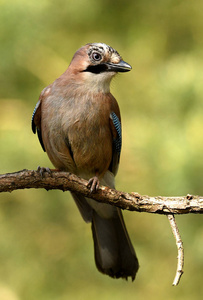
(117, 124)
(34, 127)
(33, 115)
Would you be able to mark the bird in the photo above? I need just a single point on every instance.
(78, 124)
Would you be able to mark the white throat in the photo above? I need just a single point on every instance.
(98, 82)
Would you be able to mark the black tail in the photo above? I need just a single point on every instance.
(114, 253)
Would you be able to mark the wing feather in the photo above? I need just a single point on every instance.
(115, 125)
(36, 116)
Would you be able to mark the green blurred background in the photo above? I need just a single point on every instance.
(46, 250)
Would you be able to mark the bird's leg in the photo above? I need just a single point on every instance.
(93, 184)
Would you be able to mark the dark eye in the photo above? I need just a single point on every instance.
(96, 56)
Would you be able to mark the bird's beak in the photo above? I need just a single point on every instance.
(122, 66)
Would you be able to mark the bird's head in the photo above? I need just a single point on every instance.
(95, 65)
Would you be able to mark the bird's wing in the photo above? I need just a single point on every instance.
(36, 117)
(115, 125)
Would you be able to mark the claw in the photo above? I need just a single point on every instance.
(93, 184)
(43, 170)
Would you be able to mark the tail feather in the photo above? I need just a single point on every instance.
(114, 253)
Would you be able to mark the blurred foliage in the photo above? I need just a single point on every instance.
(46, 250)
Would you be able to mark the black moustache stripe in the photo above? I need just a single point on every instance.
(97, 69)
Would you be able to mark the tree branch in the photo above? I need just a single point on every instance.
(27, 179)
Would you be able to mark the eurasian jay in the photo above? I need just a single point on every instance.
(79, 126)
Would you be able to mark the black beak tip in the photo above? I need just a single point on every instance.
(124, 66)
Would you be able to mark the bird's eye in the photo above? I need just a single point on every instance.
(96, 56)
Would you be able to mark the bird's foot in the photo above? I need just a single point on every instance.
(43, 170)
(93, 184)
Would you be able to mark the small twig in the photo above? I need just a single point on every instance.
(179, 245)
